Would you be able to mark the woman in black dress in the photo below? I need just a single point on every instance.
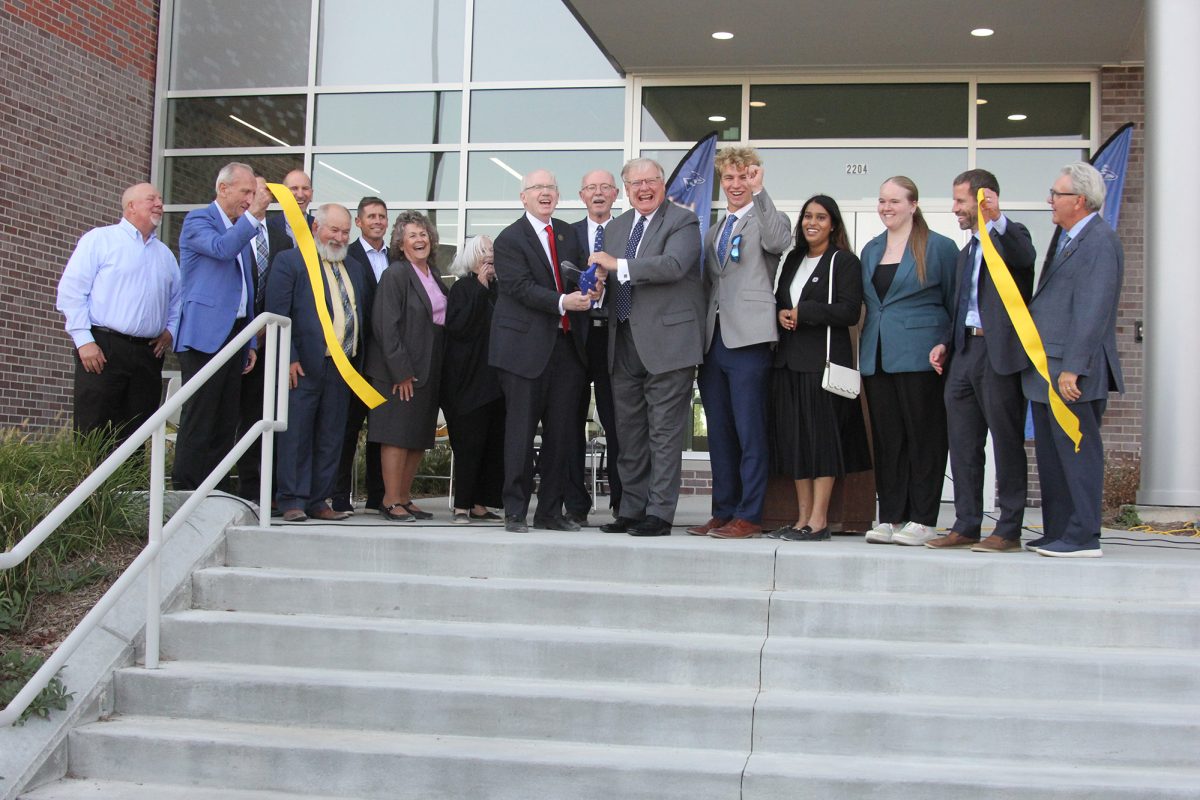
(816, 436)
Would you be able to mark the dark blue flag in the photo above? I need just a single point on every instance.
(1112, 160)
(690, 185)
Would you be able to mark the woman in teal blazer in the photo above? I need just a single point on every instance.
(908, 288)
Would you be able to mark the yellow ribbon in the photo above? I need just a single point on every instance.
(1027, 332)
(308, 250)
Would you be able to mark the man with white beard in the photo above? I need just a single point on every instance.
(312, 444)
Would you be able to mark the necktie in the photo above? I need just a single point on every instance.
(261, 256)
(964, 297)
(624, 299)
(598, 242)
(347, 307)
(1063, 241)
(564, 322)
(726, 232)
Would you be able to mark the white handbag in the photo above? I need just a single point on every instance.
(842, 381)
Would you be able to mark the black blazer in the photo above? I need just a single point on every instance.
(467, 380)
(290, 294)
(803, 350)
(402, 328)
(356, 252)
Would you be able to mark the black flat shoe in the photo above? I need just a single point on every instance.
(390, 513)
(515, 524)
(556, 524)
(620, 525)
(486, 516)
(806, 534)
(416, 512)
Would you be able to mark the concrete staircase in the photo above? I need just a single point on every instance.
(436, 663)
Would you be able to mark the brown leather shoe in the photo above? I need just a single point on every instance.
(737, 529)
(294, 515)
(952, 541)
(329, 515)
(997, 544)
(702, 530)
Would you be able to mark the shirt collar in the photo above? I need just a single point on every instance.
(134, 233)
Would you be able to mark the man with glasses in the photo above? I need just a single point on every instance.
(651, 262)
(538, 342)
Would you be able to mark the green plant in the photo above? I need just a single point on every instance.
(434, 473)
(15, 671)
(1127, 517)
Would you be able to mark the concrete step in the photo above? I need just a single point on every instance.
(1049, 672)
(680, 609)
(983, 619)
(624, 714)
(459, 648)
(385, 765)
(771, 776)
(84, 789)
(983, 726)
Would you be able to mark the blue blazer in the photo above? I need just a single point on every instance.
(910, 319)
(212, 278)
(289, 294)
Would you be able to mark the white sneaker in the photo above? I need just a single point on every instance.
(914, 534)
(882, 533)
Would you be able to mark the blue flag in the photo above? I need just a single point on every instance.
(690, 185)
(1112, 160)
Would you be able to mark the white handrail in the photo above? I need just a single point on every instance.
(277, 347)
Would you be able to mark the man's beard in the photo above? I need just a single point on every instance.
(331, 252)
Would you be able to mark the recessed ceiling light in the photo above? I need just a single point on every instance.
(979, 101)
(716, 118)
(722, 35)
(758, 104)
(1016, 117)
(982, 32)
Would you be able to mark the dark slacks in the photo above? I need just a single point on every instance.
(209, 420)
(1072, 483)
(356, 415)
(577, 499)
(733, 388)
(125, 394)
(908, 428)
(978, 400)
(477, 439)
(552, 399)
(312, 444)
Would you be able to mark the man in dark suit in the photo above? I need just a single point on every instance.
(1075, 310)
(370, 250)
(538, 343)
(984, 359)
(598, 191)
(217, 264)
(651, 262)
(300, 185)
(310, 447)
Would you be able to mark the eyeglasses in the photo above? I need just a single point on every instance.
(1055, 195)
(541, 187)
(603, 187)
(643, 182)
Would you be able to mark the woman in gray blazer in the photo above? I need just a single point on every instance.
(908, 288)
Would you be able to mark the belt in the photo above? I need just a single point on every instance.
(141, 340)
(973, 331)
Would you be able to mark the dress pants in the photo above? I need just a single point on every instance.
(312, 444)
(210, 417)
(908, 428)
(1072, 483)
(477, 439)
(552, 398)
(653, 416)
(356, 415)
(733, 388)
(978, 399)
(577, 500)
(125, 394)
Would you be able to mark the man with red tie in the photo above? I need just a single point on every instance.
(538, 344)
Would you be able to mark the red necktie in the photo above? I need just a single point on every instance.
(566, 323)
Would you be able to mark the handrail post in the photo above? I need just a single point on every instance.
(270, 389)
(158, 449)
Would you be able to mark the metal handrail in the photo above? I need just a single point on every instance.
(278, 346)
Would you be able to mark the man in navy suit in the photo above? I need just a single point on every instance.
(216, 262)
(311, 446)
(300, 185)
(1075, 310)
(984, 359)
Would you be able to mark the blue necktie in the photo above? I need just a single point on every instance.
(1063, 241)
(726, 232)
(598, 243)
(624, 290)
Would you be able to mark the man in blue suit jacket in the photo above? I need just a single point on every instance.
(216, 262)
(1075, 310)
(311, 446)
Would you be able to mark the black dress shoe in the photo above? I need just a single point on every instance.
(651, 526)
(515, 524)
(560, 523)
(620, 525)
(342, 504)
(579, 519)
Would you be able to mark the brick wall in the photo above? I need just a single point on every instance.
(76, 104)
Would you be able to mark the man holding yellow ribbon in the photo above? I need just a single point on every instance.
(1075, 311)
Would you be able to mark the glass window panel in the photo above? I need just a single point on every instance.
(168, 229)
(859, 111)
(490, 221)
(232, 44)
(404, 177)
(497, 175)
(548, 115)
(191, 179)
(1040, 230)
(382, 41)
(1025, 176)
(1051, 110)
(389, 118)
(853, 174)
(268, 121)
(681, 113)
(533, 40)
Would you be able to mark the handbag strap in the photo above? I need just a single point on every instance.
(829, 328)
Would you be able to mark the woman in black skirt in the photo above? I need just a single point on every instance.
(816, 436)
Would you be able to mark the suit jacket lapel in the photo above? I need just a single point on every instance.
(1057, 260)
(415, 285)
(906, 274)
(534, 242)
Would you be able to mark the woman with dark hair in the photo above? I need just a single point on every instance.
(471, 395)
(404, 361)
(908, 286)
(816, 436)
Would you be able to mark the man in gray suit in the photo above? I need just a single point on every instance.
(741, 257)
(651, 262)
(1075, 310)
